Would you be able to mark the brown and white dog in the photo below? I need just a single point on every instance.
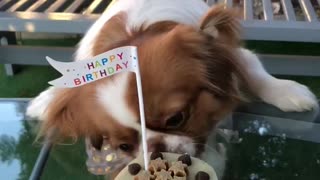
(192, 69)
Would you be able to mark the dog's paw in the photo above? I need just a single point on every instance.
(289, 96)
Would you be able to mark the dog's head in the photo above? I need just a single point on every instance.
(189, 78)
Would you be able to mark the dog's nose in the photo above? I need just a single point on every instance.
(156, 146)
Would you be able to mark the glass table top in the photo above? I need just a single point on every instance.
(67, 162)
(18, 152)
(259, 147)
(273, 148)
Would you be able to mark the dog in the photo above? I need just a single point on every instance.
(194, 72)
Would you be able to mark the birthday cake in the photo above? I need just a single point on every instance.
(168, 166)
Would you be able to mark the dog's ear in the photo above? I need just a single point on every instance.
(54, 107)
(222, 24)
(113, 32)
(59, 115)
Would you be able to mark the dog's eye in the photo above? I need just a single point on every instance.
(126, 147)
(175, 121)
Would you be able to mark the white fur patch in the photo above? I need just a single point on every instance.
(38, 106)
(147, 12)
(112, 97)
(174, 143)
(144, 12)
(287, 95)
(180, 144)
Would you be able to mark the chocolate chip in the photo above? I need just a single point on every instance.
(202, 176)
(155, 155)
(186, 159)
(134, 168)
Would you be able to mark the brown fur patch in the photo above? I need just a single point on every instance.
(113, 32)
(222, 24)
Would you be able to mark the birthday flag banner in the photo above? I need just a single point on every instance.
(78, 73)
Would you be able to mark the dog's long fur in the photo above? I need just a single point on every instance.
(191, 65)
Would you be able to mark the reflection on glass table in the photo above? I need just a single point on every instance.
(18, 152)
(265, 147)
(67, 162)
(261, 143)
